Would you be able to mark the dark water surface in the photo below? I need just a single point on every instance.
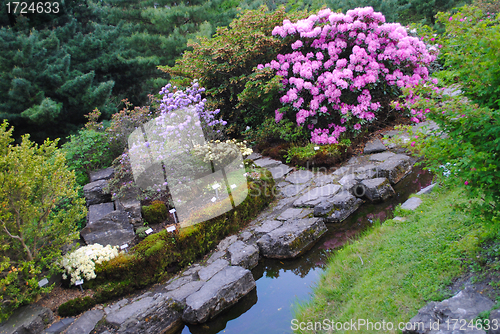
(283, 283)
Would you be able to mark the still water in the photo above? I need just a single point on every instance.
(281, 284)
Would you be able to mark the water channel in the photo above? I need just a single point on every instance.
(281, 284)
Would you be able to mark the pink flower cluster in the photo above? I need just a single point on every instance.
(337, 62)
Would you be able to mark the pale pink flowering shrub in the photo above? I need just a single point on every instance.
(343, 68)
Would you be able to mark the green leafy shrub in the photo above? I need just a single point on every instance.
(112, 290)
(467, 151)
(271, 132)
(224, 65)
(39, 208)
(314, 155)
(155, 213)
(141, 231)
(75, 306)
(471, 45)
(89, 149)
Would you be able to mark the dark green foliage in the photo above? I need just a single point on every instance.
(75, 306)
(224, 65)
(155, 213)
(112, 290)
(269, 132)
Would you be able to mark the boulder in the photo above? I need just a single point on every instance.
(291, 239)
(113, 229)
(337, 208)
(223, 290)
(243, 255)
(146, 314)
(378, 189)
(394, 168)
(374, 146)
(317, 195)
(432, 318)
(94, 192)
(30, 319)
(279, 172)
(98, 211)
(101, 174)
(300, 176)
(86, 322)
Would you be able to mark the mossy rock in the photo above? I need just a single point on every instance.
(75, 306)
(155, 213)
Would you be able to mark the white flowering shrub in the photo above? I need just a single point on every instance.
(80, 264)
(221, 152)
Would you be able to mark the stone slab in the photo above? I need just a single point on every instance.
(102, 174)
(95, 192)
(267, 226)
(394, 168)
(280, 172)
(292, 189)
(381, 156)
(86, 323)
(209, 271)
(337, 208)
(59, 326)
(411, 203)
(292, 238)
(223, 290)
(378, 189)
(113, 229)
(98, 211)
(300, 176)
(267, 163)
(315, 195)
(290, 213)
(427, 190)
(374, 146)
(243, 255)
(180, 294)
(323, 180)
(254, 156)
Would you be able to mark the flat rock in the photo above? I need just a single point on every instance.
(337, 208)
(411, 203)
(180, 294)
(267, 226)
(427, 190)
(209, 271)
(279, 172)
(86, 323)
(292, 189)
(226, 242)
(177, 282)
(316, 195)
(394, 168)
(30, 319)
(300, 176)
(243, 255)
(98, 211)
(374, 146)
(215, 256)
(342, 171)
(381, 156)
(290, 213)
(113, 229)
(254, 156)
(59, 326)
(323, 180)
(292, 238)
(246, 235)
(101, 174)
(466, 305)
(267, 163)
(150, 314)
(223, 290)
(378, 189)
(94, 192)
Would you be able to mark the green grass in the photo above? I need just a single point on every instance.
(393, 270)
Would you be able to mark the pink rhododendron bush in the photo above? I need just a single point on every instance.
(344, 69)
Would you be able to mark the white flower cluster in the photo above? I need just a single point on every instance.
(221, 151)
(81, 263)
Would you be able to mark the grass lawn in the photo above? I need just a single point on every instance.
(394, 269)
